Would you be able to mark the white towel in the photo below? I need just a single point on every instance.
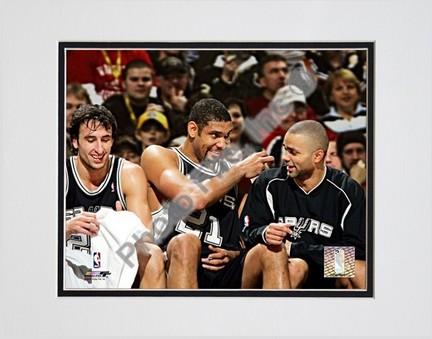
(113, 262)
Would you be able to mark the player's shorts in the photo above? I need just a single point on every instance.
(229, 277)
(316, 279)
(76, 271)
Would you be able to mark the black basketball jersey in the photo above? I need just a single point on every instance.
(80, 199)
(331, 214)
(216, 225)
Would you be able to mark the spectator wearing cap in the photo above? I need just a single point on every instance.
(290, 103)
(173, 77)
(153, 128)
(222, 77)
(351, 149)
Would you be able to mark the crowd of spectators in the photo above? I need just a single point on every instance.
(151, 92)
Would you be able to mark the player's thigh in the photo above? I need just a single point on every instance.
(252, 261)
(298, 271)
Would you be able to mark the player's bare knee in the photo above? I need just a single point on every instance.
(143, 252)
(184, 247)
(273, 254)
(156, 255)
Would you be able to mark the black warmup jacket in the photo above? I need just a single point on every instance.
(331, 214)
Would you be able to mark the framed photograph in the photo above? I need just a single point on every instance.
(328, 82)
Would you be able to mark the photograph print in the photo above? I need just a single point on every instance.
(215, 169)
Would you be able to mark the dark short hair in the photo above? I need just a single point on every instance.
(206, 110)
(137, 63)
(170, 65)
(86, 113)
(125, 142)
(269, 58)
(314, 131)
(239, 102)
(349, 137)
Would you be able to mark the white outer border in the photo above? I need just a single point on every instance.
(30, 31)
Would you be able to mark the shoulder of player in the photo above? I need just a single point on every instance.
(130, 167)
(158, 152)
(270, 174)
(343, 181)
(155, 159)
(131, 172)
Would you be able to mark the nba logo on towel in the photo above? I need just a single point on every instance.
(96, 260)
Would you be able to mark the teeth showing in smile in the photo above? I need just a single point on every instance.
(217, 153)
(97, 158)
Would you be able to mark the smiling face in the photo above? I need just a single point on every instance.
(237, 122)
(345, 95)
(138, 83)
(298, 156)
(94, 145)
(211, 140)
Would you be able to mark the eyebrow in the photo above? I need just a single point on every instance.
(93, 136)
(220, 133)
(290, 149)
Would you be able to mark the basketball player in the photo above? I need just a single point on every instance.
(97, 179)
(194, 198)
(323, 206)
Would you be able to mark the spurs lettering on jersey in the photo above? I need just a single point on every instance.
(228, 201)
(307, 225)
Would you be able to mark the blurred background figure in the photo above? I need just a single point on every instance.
(222, 77)
(351, 149)
(127, 106)
(153, 129)
(332, 159)
(100, 70)
(76, 95)
(290, 104)
(240, 145)
(128, 148)
(272, 74)
(173, 79)
(347, 112)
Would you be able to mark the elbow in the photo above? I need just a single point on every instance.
(187, 203)
(201, 203)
